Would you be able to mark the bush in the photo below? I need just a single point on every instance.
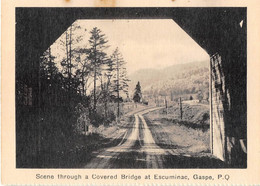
(205, 117)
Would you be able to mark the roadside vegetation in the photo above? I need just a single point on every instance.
(81, 88)
(189, 135)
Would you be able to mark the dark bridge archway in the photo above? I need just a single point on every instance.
(220, 31)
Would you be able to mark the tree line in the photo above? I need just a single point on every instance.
(192, 82)
(85, 74)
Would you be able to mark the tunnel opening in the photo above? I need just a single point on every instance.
(227, 64)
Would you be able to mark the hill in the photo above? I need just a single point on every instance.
(180, 79)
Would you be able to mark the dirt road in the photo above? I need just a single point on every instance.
(138, 149)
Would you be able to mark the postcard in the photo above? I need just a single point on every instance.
(121, 92)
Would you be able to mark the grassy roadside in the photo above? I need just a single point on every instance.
(196, 114)
(189, 143)
(187, 136)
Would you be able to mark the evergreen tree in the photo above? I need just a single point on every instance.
(121, 80)
(107, 88)
(48, 67)
(97, 58)
(66, 63)
(83, 71)
(48, 77)
(137, 94)
(69, 63)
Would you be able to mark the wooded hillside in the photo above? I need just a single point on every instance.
(188, 79)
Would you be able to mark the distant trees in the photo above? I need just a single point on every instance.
(137, 94)
(184, 82)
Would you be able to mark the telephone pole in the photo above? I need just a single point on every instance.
(181, 108)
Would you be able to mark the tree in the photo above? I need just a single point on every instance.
(200, 96)
(124, 82)
(107, 89)
(48, 77)
(47, 65)
(121, 80)
(137, 94)
(206, 95)
(67, 63)
(84, 69)
(97, 58)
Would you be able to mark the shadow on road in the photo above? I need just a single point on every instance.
(138, 159)
(172, 161)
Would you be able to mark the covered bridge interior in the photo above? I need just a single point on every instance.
(222, 32)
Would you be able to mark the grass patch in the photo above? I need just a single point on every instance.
(183, 137)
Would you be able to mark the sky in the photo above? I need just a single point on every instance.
(145, 43)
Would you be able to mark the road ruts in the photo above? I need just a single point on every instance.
(138, 150)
